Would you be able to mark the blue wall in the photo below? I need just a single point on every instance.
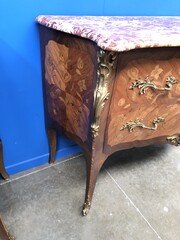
(21, 105)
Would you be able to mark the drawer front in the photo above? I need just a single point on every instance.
(148, 110)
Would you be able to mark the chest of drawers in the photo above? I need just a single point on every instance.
(110, 83)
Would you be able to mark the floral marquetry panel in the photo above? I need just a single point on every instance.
(145, 88)
(69, 74)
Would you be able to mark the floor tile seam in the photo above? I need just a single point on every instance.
(133, 204)
(41, 169)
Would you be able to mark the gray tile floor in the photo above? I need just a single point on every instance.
(137, 197)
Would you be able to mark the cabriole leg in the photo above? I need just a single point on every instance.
(4, 235)
(52, 144)
(2, 167)
(93, 167)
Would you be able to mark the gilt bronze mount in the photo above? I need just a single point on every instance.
(86, 208)
(143, 85)
(137, 123)
(174, 140)
(106, 63)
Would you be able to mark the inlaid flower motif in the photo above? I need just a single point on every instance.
(82, 85)
(133, 73)
(156, 72)
(56, 65)
(149, 95)
(76, 116)
(79, 66)
(121, 102)
(80, 63)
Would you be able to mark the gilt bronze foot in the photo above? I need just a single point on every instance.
(86, 208)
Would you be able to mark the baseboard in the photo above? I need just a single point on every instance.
(39, 160)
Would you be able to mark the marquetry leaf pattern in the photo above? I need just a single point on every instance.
(68, 73)
(131, 105)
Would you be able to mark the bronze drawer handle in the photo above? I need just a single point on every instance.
(174, 140)
(137, 123)
(147, 83)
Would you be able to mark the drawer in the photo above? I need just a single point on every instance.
(150, 110)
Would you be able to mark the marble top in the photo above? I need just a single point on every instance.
(118, 33)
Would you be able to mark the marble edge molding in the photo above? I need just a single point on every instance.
(119, 33)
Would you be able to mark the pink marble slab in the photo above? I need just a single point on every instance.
(116, 33)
